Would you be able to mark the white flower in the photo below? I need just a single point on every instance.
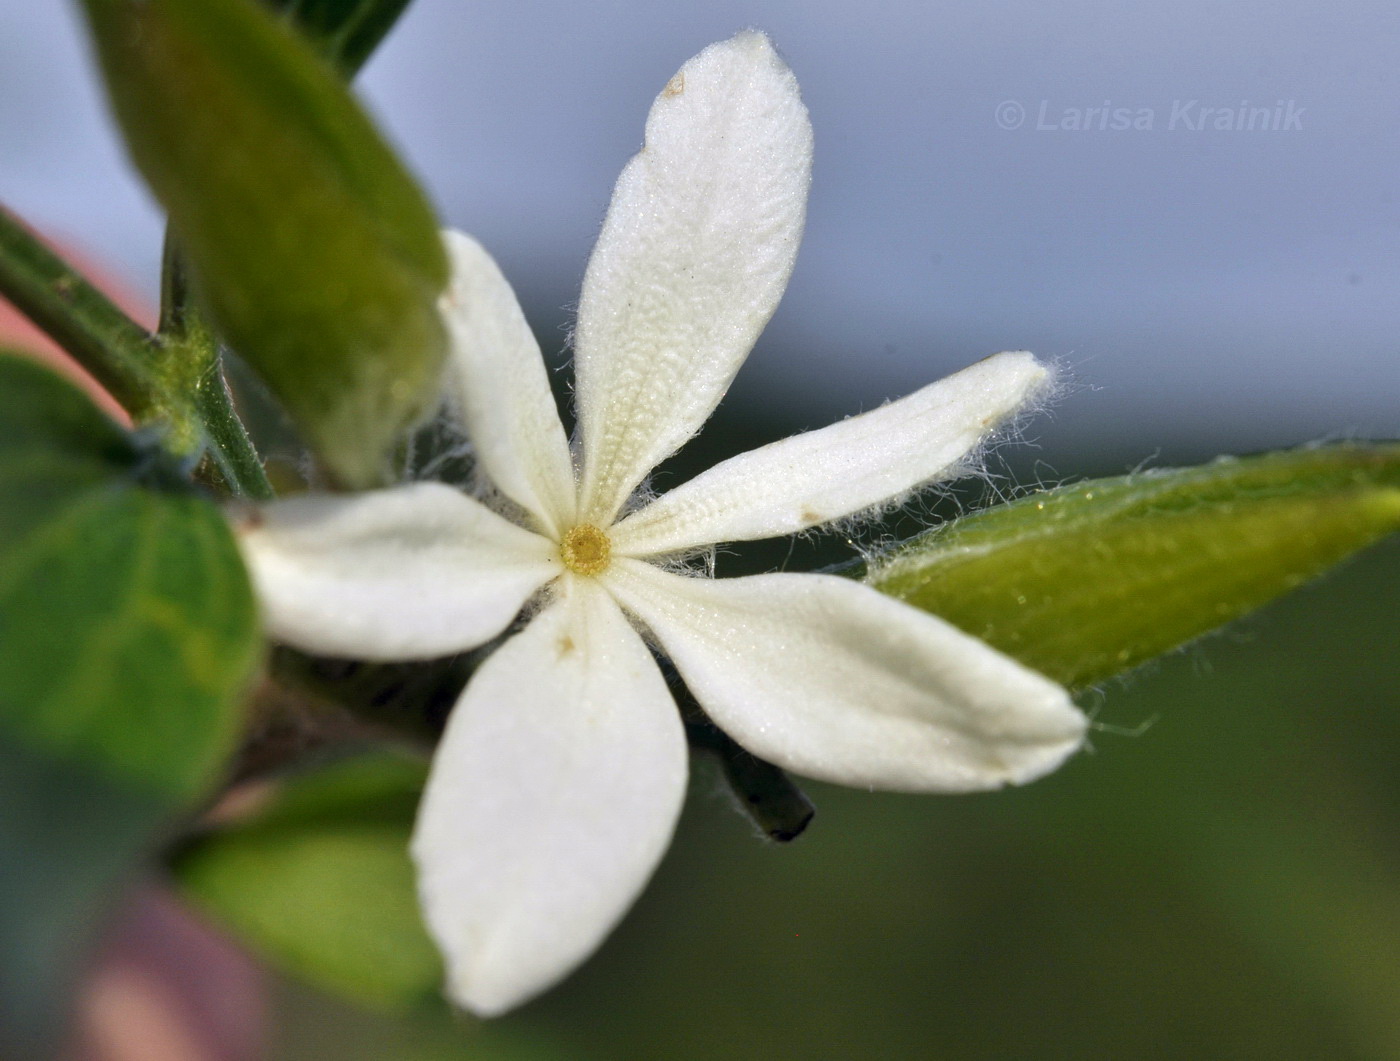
(561, 772)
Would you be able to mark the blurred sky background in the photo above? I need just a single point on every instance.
(1210, 290)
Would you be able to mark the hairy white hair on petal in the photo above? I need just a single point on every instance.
(919, 499)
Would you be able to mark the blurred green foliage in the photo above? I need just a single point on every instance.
(320, 881)
(127, 639)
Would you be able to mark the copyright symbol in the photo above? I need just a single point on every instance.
(1010, 114)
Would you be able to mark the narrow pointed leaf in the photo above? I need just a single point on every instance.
(321, 884)
(127, 632)
(1087, 581)
(345, 31)
(314, 252)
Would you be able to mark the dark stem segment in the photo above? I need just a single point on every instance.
(288, 729)
(307, 708)
(82, 320)
(779, 809)
(323, 702)
(177, 316)
(773, 802)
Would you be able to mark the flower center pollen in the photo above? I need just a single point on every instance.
(586, 550)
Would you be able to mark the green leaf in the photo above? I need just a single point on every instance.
(315, 254)
(127, 633)
(345, 31)
(321, 882)
(1087, 581)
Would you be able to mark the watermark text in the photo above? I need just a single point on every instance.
(1180, 115)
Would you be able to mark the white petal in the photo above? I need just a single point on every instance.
(552, 797)
(833, 680)
(408, 573)
(697, 247)
(502, 390)
(824, 475)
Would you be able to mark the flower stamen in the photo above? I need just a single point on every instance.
(586, 550)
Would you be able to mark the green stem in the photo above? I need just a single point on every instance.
(152, 377)
(82, 320)
(230, 448)
(188, 338)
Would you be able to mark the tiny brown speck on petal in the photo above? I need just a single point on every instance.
(245, 518)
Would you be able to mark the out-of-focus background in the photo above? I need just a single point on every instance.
(1221, 877)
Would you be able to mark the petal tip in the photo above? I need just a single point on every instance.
(483, 974)
(1019, 361)
(486, 991)
(1020, 382)
(1054, 752)
(752, 39)
(749, 47)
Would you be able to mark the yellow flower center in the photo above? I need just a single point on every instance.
(586, 550)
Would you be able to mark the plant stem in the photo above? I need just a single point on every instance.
(230, 448)
(770, 798)
(174, 376)
(82, 320)
(187, 337)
